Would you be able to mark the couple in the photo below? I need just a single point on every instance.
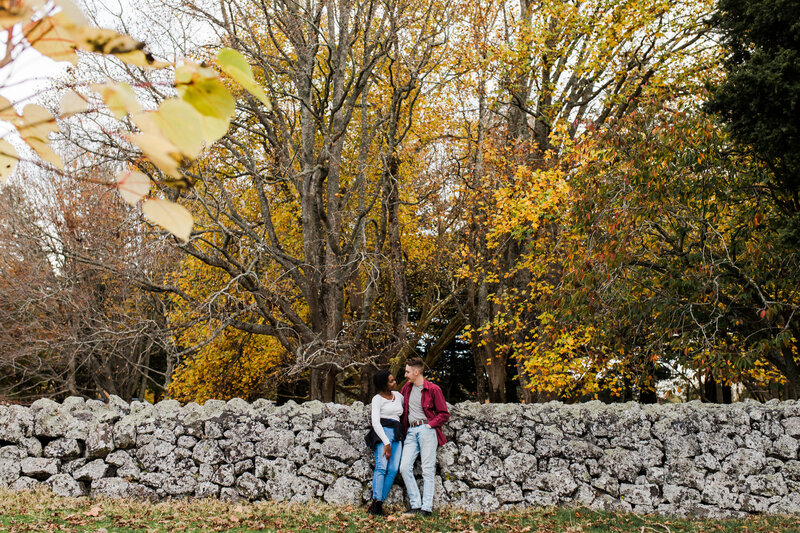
(418, 411)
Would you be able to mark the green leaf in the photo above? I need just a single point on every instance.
(181, 124)
(236, 66)
(201, 88)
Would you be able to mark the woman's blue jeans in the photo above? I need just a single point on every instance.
(385, 471)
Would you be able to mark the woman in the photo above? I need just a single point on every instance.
(385, 437)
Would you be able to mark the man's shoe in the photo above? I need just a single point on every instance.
(412, 512)
(425, 513)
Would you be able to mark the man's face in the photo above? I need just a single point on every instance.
(411, 373)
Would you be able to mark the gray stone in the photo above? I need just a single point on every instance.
(621, 464)
(16, 423)
(337, 448)
(538, 498)
(792, 426)
(678, 495)
(65, 486)
(250, 487)
(181, 485)
(187, 442)
(559, 482)
(344, 491)
(39, 468)
(208, 451)
(519, 467)
(754, 504)
(306, 489)
(50, 420)
(225, 475)
(206, 490)
(604, 502)
(120, 458)
(25, 483)
(71, 466)
(316, 474)
(12, 452)
(276, 443)
(509, 493)
(111, 487)
(9, 471)
(243, 466)
(767, 485)
(785, 447)
(212, 429)
(74, 403)
(744, 462)
(607, 484)
(229, 494)
(125, 432)
(237, 450)
(720, 490)
(62, 448)
(92, 471)
(644, 495)
(32, 446)
(708, 462)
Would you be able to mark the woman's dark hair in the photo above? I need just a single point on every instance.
(381, 380)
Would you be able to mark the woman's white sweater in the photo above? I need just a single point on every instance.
(383, 408)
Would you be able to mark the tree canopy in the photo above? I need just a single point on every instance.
(547, 200)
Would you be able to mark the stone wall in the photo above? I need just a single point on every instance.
(686, 459)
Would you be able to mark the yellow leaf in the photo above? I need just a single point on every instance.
(8, 160)
(44, 151)
(72, 13)
(133, 186)
(14, 12)
(159, 151)
(37, 122)
(119, 97)
(181, 124)
(7, 111)
(236, 66)
(53, 37)
(109, 42)
(72, 103)
(174, 218)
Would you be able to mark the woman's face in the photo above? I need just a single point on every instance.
(391, 384)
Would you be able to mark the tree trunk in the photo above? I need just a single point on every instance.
(496, 371)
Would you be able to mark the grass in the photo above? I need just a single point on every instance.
(41, 511)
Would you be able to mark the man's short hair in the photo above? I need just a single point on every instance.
(415, 362)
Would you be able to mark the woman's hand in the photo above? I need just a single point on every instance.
(387, 451)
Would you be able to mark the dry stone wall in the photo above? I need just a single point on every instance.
(685, 459)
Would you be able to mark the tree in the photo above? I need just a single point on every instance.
(554, 74)
(677, 263)
(759, 98)
(300, 205)
(73, 322)
(169, 137)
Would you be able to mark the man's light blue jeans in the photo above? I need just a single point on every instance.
(422, 441)
(385, 471)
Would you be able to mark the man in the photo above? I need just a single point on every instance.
(424, 413)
